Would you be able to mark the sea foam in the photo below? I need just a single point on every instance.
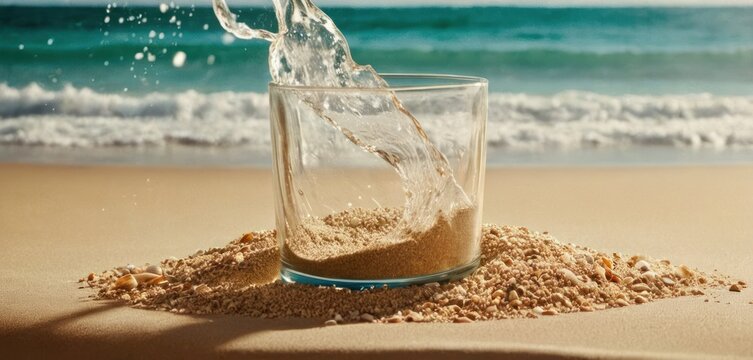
(81, 117)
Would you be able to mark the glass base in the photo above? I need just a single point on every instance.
(291, 276)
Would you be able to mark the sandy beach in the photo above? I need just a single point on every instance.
(58, 223)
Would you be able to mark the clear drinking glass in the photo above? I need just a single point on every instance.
(319, 172)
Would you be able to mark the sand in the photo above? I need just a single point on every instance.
(521, 274)
(54, 229)
(366, 244)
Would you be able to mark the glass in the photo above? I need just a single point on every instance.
(319, 172)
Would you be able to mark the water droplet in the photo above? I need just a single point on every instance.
(179, 59)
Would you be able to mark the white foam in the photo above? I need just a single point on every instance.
(81, 117)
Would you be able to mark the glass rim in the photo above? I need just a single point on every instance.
(452, 82)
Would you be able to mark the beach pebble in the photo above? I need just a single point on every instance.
(640, 300)
(667, 281)
(735, 288)
(462, 320)
(330, 323)
(621, 302)
(367, 317)
(550, 312)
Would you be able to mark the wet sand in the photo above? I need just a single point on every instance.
(60, 223)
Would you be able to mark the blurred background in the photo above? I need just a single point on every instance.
(155, 82)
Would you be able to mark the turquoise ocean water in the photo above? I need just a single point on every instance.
(605, 83)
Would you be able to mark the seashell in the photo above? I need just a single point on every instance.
(735, 288)
(643, 266)
(570, 276)
(606, 262)
(367, 317)
(667, 281)
(159, 280)
(610, 276)
(247, 238)
(154, 269)
(640, 300)
(649, 276)
(145, 277)
(126, 282)
(685, 271)
(640, 287)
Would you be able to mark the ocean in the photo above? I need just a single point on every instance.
(568, 85)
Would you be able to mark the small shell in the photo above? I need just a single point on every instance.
(159, 280)
(550, 312)
(640, 287)
(462, 320)
(667, 281)
(611, 276)
(154, 269)
(621, 302)
(640, 300)
(643, 266)
(570, 276)
(735, 288)
(685, 271)
(367, 317)
(126, 282)
(606, 262)
(330, 323)
(145, 277)
(649, 276)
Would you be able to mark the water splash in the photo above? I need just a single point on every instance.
(309, 50)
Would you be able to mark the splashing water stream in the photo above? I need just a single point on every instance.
(308, 50)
